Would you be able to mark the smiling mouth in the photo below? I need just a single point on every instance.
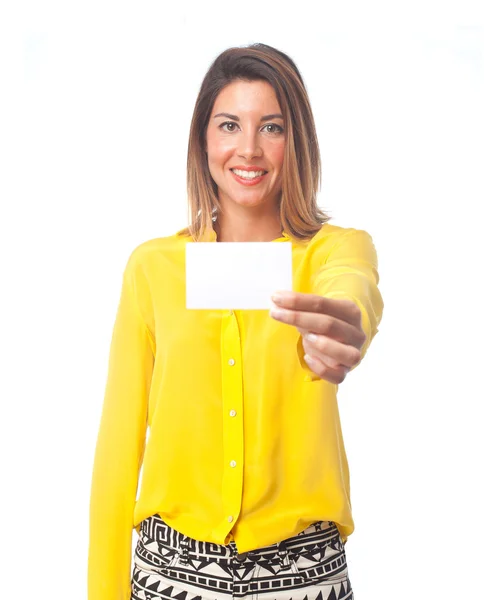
(250, 180)
(248, 174)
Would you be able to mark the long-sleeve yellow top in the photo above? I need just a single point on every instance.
(237, 438)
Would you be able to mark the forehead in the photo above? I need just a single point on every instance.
(247, 96)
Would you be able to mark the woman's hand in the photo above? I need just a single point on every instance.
(335, 325)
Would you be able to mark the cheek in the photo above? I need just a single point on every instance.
(277, 154)
(217, 158)
(219, 149)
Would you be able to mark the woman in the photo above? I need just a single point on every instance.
(233, 413)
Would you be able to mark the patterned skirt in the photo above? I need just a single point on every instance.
(309, 566)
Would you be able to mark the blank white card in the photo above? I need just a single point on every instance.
(236, 275)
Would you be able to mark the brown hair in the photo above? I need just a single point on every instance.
(300, 215)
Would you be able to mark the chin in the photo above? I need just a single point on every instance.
(249, 201)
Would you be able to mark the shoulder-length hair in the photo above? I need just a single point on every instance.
(300, 215)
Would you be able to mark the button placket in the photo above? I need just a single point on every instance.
(233, 433)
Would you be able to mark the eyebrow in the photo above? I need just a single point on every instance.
(236, 118)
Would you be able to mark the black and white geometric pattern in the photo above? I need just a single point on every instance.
(170, 565)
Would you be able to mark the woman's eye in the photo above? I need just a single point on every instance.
(275, 128)
(227, 123)
(279, 129)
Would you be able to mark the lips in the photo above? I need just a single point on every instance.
(249, 170)
(249, 181)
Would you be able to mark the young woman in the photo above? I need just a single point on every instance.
(233, 414)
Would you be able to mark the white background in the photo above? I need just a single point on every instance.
(96, 101)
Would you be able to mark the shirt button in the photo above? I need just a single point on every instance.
(233, 413)
(233, 463)
(230, 519)
(241, 557)
(231, 362)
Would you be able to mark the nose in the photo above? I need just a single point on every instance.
(249, 145)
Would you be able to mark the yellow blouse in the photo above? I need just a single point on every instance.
(237, 437)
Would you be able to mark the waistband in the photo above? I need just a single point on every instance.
(173, 541)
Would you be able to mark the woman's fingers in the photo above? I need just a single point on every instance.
(321, 369)
(325, 325)
(331, 352)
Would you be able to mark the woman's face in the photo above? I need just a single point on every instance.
(250, 134)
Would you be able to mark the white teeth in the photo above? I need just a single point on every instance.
(248, 174)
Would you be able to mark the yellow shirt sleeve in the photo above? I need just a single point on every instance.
(351, 271)
(120, 446)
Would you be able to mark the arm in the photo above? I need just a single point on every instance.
(120, 446)
(350, 271)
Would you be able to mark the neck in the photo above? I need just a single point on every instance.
(243, 229)
(247, 234)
